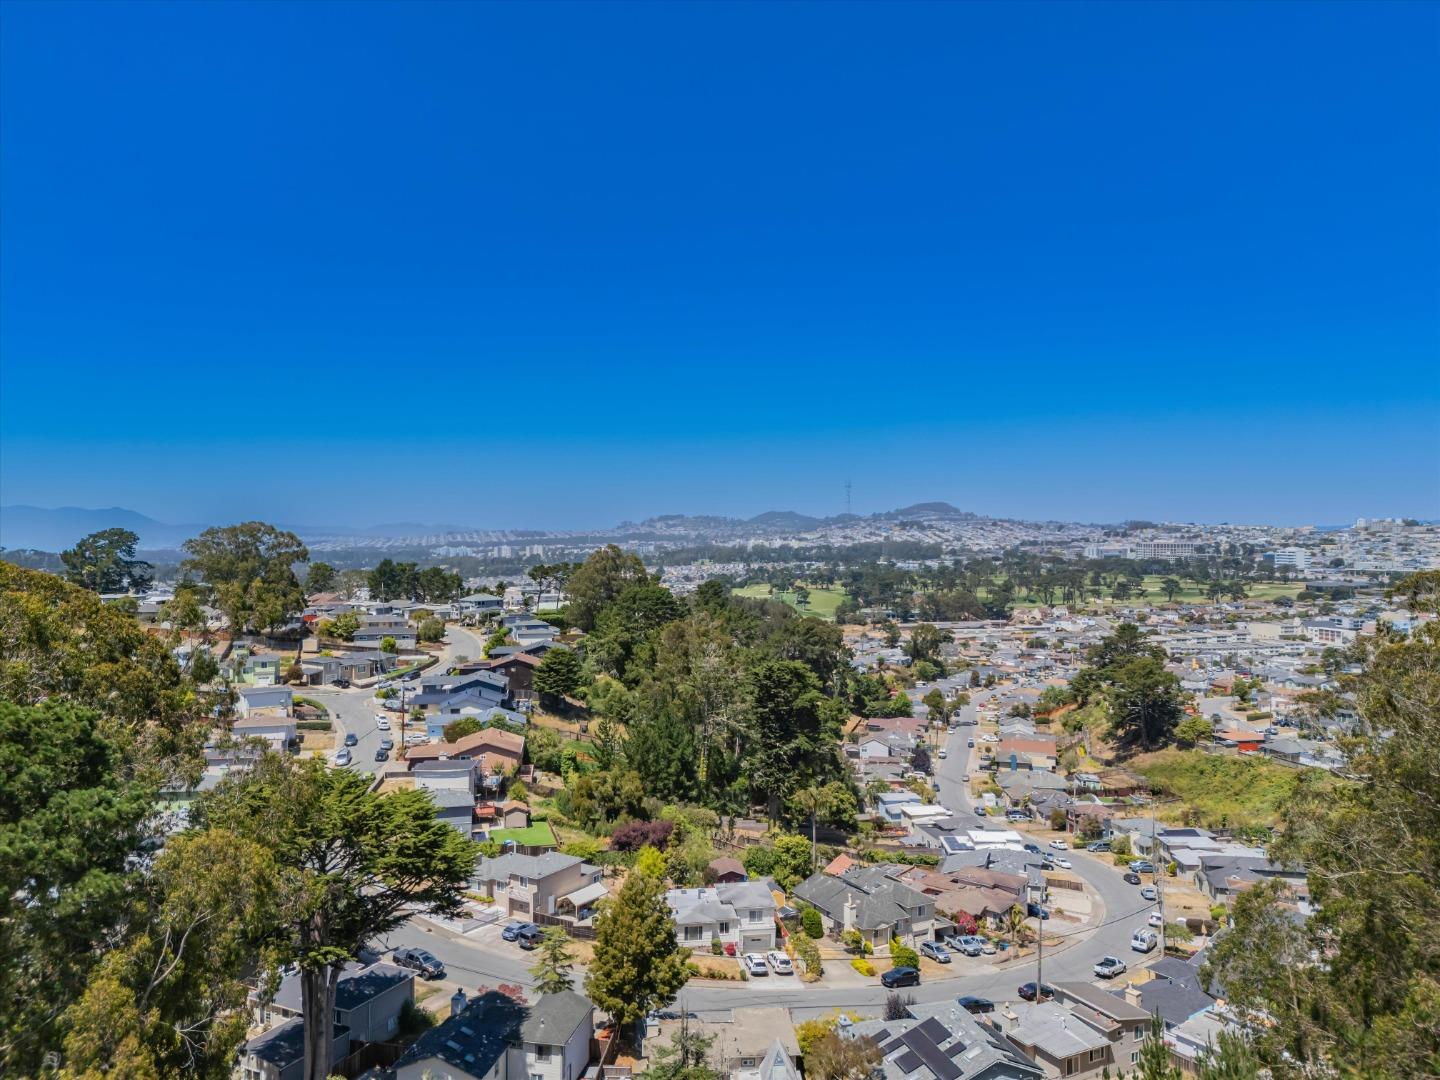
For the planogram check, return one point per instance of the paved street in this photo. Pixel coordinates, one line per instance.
(355, 710)
(481, 957)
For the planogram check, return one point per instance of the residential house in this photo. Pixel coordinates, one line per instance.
(480, 603)
(1223, 877)
(1062, 1043)
(368, 1001)
(872, 900)
(740, 913)
(1174, 993)
(371, 637)
(495, 752)
(447, 694)
(726, 871)
(494, 1037)
(564, 886)
(759, 1042)
(518, 669)
(279, 732)
(279, 1054)
(1123, 1023)
(265, 701)
(941, 1041)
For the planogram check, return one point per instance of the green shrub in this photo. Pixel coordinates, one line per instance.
(864, 967)
(809, 953)
(716, 948)
(901, 955)
(312, 725)
(414, 1020)
(810, 921)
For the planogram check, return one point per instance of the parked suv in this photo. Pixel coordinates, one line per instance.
(970, 944)
(935, 951)
(901, 976)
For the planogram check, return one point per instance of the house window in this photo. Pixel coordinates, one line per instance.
(747, 1063)
(1134, 1057)
(1140, 1034)
(536, 1076)
(724, 928)
(1096, 1055)
(694, 933)
(1071, 1066)
(757, 915)
(542, 1053)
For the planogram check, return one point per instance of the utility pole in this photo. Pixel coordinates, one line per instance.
(1158, 875)
(1039, 952)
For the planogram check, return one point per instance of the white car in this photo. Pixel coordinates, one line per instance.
(1064, 864)
(1059, 845)
(416, 738)
(944, 753)
(780, 963)
(383, 723)
(754, 964)
(1156, 919)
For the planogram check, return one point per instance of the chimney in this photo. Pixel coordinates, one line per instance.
(1132, 995)
(457, 1003)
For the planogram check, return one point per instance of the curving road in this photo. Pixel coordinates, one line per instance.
(354, 710)
(472, 962)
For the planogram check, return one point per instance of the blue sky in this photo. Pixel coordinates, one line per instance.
(562, 265)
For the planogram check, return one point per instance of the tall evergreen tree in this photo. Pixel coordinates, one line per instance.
(638, 966)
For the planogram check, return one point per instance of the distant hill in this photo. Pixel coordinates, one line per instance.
(58, 528)
(785, 519)
(930, 510)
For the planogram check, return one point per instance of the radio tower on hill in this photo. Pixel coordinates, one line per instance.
(847, 496)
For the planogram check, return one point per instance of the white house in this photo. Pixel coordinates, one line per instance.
(271, 700)
(740, 913)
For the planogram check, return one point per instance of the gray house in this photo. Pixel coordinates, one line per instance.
(496, 1038)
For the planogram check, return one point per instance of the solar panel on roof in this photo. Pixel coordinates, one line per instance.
(909, 1061)
(933, 1030)
(926, 1050)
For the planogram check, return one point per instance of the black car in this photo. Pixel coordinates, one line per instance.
(1132, 878)
(352, 739)
(1027, 991)
(1034, 849)
(341, 684)
(1036, 911)
(901, 976)
(382, 754)
(420, 961)
(977, 1005)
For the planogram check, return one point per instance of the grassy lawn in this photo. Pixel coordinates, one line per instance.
(1221, 788)
(823, 602)
(530, 836)
(1150, 591)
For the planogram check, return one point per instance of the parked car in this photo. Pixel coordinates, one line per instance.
(341, 684)
(1132, 878)
(351, 739)
(1143, 940)
(969, 743)
(1109, 967)
(935, 951)
(1149, 893)
(1059, 845)
(1028, 990)
(779, 963)
(754, 965)
(342, 758)
(977, 1005)
(529, 936)
(1035, 910)
(965, 778)
(387, 743)
(382, 754)
(511, 931)
(1099, 845)
(944, 754)
(1063, 863)
(1143, 866)
(1034, 849)
(980, 810)
(420, 961)
(416, 738)
(901, 976)
(411, 676)
(1156, 919)
(970, 944)
(383, 723)
(988, 948)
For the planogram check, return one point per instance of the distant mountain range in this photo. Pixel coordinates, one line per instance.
(55, 529)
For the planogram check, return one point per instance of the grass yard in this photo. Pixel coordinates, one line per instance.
(531, 836)
(1151, 592)
(823, 602)
(1223, 789)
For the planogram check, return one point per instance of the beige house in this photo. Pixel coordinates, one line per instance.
(563, 886)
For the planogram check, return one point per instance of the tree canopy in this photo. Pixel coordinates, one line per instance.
(250, 571)
(104, 562)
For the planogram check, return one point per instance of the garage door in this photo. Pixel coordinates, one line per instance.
(755, 942)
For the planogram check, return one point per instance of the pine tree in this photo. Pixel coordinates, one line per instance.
(1155, 1063)
(638, 966)
(552, 966)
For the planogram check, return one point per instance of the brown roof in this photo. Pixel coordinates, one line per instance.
(726, 865)
(839, 865)
(489, 739)
(1027, 746)
(523, 657)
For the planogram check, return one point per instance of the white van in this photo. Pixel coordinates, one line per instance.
(1143, 940)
